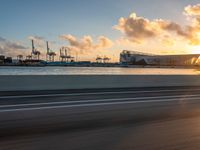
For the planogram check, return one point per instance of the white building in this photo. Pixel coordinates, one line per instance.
(137, 58)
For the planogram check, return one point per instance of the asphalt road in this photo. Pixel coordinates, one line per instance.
(102, 119)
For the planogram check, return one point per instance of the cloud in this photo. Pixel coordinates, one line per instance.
(2, 39)
(36, 38)
(139, 29)
(14, 45)
(39, 41)
(86, 43)
(168, 41)
(10, 48)
(103, 42)
(193, 10)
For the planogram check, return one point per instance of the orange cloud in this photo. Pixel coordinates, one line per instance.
(86, 43)
(140, 29)
(168, 41)
(193, 10)
(194, 13)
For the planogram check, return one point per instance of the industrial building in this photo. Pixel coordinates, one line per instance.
(136, 58)
(5, 60)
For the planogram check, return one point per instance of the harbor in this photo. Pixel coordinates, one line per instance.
(127, 58)
(100, 75)
(64, 59)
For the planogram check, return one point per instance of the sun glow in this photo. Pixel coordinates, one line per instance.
(195, 49)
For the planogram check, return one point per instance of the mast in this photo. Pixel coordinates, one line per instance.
(33, 47)
(47, 47)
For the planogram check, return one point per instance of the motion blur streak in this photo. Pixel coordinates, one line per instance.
(139, 118)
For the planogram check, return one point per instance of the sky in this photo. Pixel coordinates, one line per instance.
(92, 28)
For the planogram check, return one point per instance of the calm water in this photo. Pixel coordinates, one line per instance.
(94, 70)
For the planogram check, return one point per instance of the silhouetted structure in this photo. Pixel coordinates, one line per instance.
(106, 59)
(50, 54)
(64, 56)
(35, 53)
(8, 60)
(99, 59)
(2, 58)
(20, 57)
(29, 57)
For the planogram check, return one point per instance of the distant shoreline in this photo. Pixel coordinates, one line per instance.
(101, 65)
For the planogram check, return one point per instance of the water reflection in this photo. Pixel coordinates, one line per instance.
(95, 70)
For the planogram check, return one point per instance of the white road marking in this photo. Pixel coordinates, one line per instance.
(96, 93)
(99, 104)
(100, 100)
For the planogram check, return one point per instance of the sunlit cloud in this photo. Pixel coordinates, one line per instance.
(168, 41)
(86, 43)
(10, 48)
(88, 48)
(193, 10)
(139, 29)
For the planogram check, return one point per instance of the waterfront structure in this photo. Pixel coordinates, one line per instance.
(138, 58)
(20, 57)
(106, 59)
(29, 57)
(5, 60)
(2, 58)
(50, 54)
(65, 56)
(99, 59)
(35, 53)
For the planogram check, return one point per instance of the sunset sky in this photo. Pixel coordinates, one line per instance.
(100, 27)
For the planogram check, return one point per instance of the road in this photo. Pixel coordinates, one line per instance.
(102, 119)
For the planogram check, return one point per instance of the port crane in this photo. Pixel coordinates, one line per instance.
(50, 54)
(35, 52)
(65, 57)
(99, 59)
(19, 57)
(29, 57)
(106, 59)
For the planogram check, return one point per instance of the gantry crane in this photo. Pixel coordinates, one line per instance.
(99, 59)
(106, 59)
(35, 53)
(50, 54)
(64, 56)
